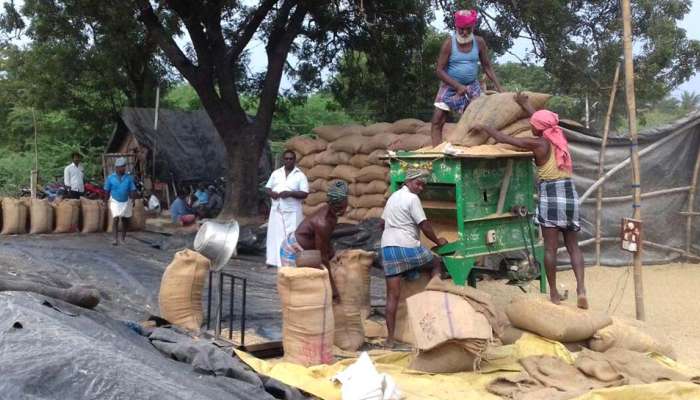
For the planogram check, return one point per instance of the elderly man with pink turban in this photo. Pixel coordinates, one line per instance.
(558, 208)
(458, 65)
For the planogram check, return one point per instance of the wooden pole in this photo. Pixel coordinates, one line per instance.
(644, 195)
(691, 201)
(632, 114)
(601, 164)
(155, 128)
(33, 180)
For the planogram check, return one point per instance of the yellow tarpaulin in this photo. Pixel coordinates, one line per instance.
(466, 385)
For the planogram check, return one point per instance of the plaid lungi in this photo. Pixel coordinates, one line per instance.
(404, 260)
(558, 206)
(447, 98)
(289, 250)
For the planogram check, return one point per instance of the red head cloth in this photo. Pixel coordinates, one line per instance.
(465, 18)
(548, 122)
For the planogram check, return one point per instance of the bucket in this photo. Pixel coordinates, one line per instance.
(217, 241)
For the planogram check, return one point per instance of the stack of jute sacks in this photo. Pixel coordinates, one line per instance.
(37, 216)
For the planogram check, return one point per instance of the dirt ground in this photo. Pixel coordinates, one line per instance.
(670, 299)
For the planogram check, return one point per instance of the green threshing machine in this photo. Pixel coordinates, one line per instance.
(490, 199)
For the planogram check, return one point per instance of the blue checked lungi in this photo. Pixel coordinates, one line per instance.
(404, 260)
(558, 206)
(289, 250)
(447, 98)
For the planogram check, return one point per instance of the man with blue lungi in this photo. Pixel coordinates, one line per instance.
(403, 256)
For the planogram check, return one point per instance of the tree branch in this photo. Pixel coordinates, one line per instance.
(194, 22)
(247, 30)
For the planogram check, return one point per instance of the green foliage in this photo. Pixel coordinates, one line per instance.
(181, 97)
(299, 117)
(689, 101)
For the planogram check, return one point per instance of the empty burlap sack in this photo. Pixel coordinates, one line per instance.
(180, 296)
(563, 323)
(318, 185)
(137, 222)
(378, 142)
(305, 145)
(373, 173)
(374, 212)
(41, 216)
(350, 270)
(511, 335)
(630, 335)
(67, 216)
(349, 143)
(308, 210)
(408, 125)
(348, 173)
(356, 214)
(402, 327)
(359, 161)
(315, 198)
(408, 142)
(320, 172)
(450, 357)
(370, 201)
(307, 162)
(375, 157)
(332, 157)
(375, 129)
(14, 216)
(307, 315)
(374, 187)
(331, 133)
(90, 211)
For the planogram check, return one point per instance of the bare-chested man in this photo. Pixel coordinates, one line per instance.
(315, 231)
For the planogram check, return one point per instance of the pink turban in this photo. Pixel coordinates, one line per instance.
(464, 18)
(548, 122)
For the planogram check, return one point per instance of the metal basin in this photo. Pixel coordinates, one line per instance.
(217, 241)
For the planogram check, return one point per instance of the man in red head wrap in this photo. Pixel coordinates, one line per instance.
(458, 69)
(558, 208)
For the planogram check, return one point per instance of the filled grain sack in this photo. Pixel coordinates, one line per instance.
(315, 198)
(14, 216)
(450, 357)
(374, 187)
(318, 185)
(630, 335)
(563, 323)
(370, 201)
(307, 162)
(307, 315)
(137, 222)
(407, 125)
(349, 144)
(353, 201)
(41, 216)
(331, 133)
(359, 161)
(90, 211)
(350, 269)
(402, 327)
(356, 214)
(378, 142)
(354, 189)
(348, 173)
(320, 172)
(332, 157)
(305, 145)
(376, 157)
(373, 173)
(375, 212)
(408, 142)
(180, 296)
(375, 129)
(67, 216)
(308, 210)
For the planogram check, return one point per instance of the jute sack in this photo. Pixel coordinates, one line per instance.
(331, 133)
(308, 210)
(402, 327)
(307, 315)
(375, 129)
(374, 212)
(41, 216)
(137, 222)
(353, 201)
(14, 216)
(91, 210)
(359, 161)
(356, 214)
(103, 215)
(349, 143)
(407, 125)
(409, 142)
(308, 161)
(355, 189)
(180, 296)
(506, 146)
(375, 187)
(67, 216)
(348, 173)
(350, 270)
(563, 323)
(370, 201)
(318, 185)
(425, 129)
(315, 199)
(332, 157)
(305, 145)
(449, 357)
(378, 142)
(373, 173)
(629, 335)
(375, 157)
(320, 172)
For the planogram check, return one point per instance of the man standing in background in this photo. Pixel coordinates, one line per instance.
(121, 189)
(73, 178)
(287, 187)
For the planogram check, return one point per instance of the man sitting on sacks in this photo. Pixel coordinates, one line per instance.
(458, 69)
(315, 231)
(402, 253)
(558, 208)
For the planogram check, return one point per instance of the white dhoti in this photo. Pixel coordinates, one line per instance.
(279, 226)
(120, 209)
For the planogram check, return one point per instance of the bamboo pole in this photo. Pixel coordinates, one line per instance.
(691, 201)
(601, 163)
(682, 189)
(34, 178)
(632, 114)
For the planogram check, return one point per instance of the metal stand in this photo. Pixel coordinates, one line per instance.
(223, 277)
